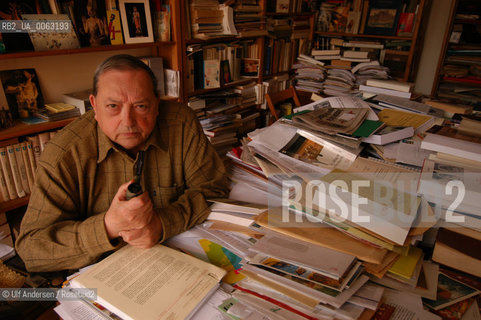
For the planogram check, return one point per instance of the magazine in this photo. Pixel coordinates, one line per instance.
(333, 120)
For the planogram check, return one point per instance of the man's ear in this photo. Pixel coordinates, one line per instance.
(93, 104)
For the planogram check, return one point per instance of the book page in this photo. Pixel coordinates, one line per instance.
(155, 283)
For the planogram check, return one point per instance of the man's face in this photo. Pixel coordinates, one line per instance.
(126, 107)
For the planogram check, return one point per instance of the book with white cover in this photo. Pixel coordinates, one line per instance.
(402, 103)
(460, 148)
(80, 99)
(156, 64)
(241, 219)
(331, 52)
(155, 283)
(390, 84)
(390, 92)
(355, 54)
(389, 134)
(230, 205)
(330, 261)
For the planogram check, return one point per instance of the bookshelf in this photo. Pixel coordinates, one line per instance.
(275, 53)
(457, 75)
(403, 59)
(68, 70)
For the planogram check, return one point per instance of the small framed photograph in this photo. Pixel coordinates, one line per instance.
(136, 21)
(250, 67)
(22, 91)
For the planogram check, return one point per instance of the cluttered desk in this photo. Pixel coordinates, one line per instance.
(320, 224)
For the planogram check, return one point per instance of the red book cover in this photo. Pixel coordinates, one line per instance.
(406, 23)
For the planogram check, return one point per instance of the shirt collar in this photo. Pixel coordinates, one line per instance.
(105, 144)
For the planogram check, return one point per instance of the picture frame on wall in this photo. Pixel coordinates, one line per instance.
(382, 17)
(136, 21)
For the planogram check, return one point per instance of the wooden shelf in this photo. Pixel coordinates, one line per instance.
(397, 52)
(289, 15)
(211, 40)
(268, 76)
(467, 21)
(29, 54)
(355, 35)
(22, 129)
(14, 204)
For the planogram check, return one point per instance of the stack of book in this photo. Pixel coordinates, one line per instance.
(248, 19)
(57, 111)
(279, 27)
(221, 130)
(369, 70)
(209, 19)
(309, 75)
(387, 87)
(338, 82)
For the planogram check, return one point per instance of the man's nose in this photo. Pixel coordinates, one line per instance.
(128, 117)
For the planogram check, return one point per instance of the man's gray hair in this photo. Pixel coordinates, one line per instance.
(123, 62)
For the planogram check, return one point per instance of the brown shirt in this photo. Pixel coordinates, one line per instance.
(81, 170)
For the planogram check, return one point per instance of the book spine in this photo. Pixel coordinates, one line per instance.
(7, 174)
(22, 170)
(34, 143)
(15, 172)
(3, 187)
(28, 167)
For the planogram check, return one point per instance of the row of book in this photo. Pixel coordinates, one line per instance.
(89, 23)
(227, 114)
(18, 164)
(339, 79)
(215, 65)
(208, 19)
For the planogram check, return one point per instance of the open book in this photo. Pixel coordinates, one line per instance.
(155, 283)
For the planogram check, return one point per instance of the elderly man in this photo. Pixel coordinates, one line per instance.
(78, 209)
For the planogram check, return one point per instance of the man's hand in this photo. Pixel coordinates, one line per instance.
(145, 237)
(134, 220)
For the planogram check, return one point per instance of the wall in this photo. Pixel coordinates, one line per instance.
(433, 41)
(59, 74)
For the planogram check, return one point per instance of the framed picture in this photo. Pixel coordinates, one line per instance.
(250, 67)
(382, 17)
(136, 21)
(22, 91)
(91, 22)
